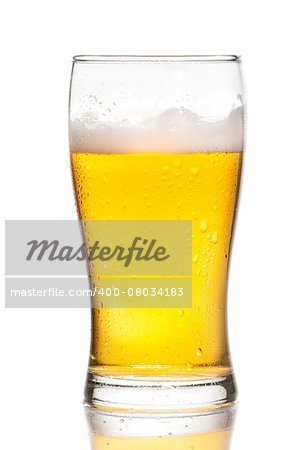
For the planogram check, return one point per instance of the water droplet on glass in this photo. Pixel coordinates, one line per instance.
(199, 352)
(194, 170)
(214, 237)
(177, 162)
(203, 226)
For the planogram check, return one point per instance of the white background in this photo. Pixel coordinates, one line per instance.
(44, 352)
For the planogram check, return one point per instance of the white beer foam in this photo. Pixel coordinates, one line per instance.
(176, 130)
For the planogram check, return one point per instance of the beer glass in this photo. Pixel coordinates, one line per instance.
(156, 148)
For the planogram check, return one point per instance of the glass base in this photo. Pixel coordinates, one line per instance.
(150, 394)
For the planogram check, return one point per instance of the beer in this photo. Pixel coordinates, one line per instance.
(201, 187)
(215, 440)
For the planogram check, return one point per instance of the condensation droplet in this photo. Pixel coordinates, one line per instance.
(181, 313)
(214, 237)
(203, 226)
(198, 272)
(177, 162)
(196, 257)
(199, 351)
(194, 170)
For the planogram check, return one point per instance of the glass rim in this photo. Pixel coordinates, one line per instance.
(156, 58)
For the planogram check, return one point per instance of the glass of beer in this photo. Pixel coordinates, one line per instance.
(156, 148)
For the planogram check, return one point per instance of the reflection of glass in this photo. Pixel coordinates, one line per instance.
(199, 431)
(161, 139)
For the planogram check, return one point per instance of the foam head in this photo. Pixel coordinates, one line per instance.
(175, 130)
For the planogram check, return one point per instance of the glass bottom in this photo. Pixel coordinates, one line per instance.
(161, 394)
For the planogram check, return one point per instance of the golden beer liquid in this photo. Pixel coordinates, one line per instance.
(201, 187)
(216, 440)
